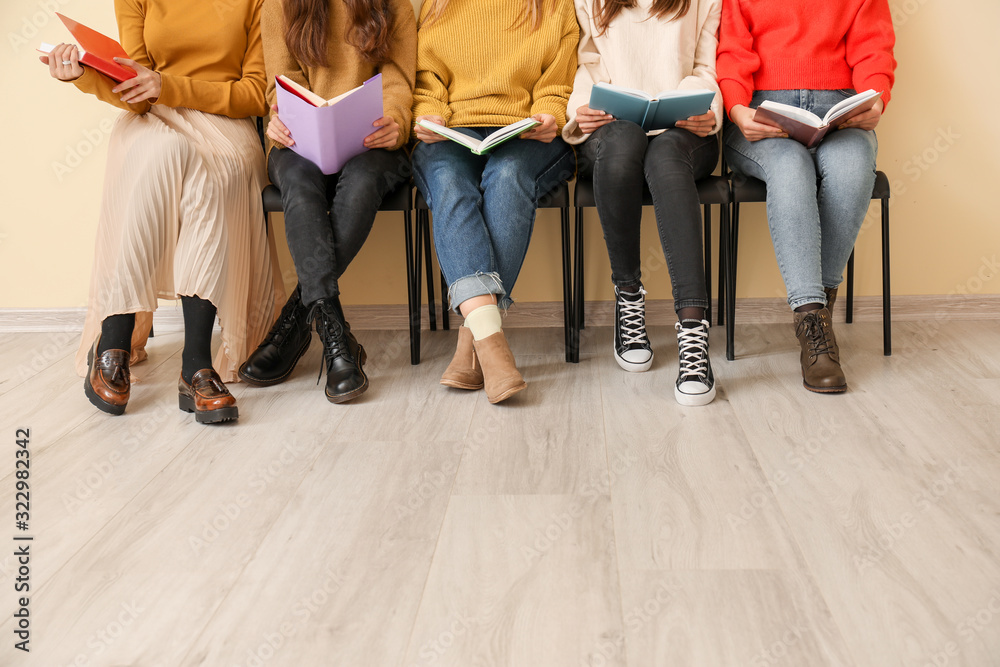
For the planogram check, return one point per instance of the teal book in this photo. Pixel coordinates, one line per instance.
(648, 111)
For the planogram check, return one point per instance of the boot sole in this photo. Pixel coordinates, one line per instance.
(507, 394)
(354, 393)
(92, 396)
(825, 390)
(462, 385)
(186, 403)
(254, 382)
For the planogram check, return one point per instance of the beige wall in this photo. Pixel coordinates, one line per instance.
(937, 144)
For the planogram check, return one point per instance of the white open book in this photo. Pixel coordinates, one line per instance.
(473, 144)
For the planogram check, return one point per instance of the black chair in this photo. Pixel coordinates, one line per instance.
(751, 190)
(712, 191)
(556, 198)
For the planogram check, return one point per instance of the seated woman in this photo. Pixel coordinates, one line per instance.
(328, 218)
(810, 55)
(481, 65)
(181, 214)
(619, 42)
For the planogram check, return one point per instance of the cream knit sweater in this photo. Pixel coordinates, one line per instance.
(648, 54)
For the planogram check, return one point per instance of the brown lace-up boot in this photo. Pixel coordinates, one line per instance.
(820, 356)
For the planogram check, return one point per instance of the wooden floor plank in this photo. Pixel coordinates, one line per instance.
(339, 578)
(539, 586)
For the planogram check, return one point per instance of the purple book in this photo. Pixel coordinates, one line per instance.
(329, 132)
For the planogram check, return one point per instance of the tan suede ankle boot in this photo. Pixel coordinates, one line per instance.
(500, 375)
(464, 371)
(820, 356)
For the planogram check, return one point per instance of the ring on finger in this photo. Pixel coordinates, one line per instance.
(67, 62)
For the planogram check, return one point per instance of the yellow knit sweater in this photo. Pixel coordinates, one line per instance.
(345, 68)
(208, 55)
(477, 67)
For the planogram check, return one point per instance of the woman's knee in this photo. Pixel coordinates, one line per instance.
(620, 138)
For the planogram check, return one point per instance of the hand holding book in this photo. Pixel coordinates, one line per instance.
(545, 131)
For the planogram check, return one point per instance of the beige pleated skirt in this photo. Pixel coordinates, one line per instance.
(181, 216)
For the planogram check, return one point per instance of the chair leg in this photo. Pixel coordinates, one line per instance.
(850, 289)
(445, 306)
(732, 252)
(412, 288)
(577, 292)
(425, 235)
(886, 291)
(723, 261)
(708, 261)
(568, 315)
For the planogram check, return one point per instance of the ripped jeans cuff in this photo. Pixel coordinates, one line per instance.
(478, 284)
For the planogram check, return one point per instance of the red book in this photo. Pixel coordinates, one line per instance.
(96, 50)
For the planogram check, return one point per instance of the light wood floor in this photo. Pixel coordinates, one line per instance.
(590, 521)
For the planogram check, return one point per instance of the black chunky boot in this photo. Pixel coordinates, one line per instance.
(274, 359)
(343, 356)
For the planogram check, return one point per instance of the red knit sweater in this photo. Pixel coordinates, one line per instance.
(804, 44)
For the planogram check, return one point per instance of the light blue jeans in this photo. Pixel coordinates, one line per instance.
(484, 207)
(816, 199)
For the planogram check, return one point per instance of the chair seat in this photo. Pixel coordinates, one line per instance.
(751, 190)
(272, 199)
(711, 190)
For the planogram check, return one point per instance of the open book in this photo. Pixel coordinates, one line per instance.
(650, 112)
(329, 132)
(475, 145)
(808, 128)
(97, 51)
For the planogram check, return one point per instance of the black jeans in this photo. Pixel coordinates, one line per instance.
(619, 157)
(328, 218)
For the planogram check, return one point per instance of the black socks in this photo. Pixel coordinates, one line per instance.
(116, 333)
(690, 314)
(199, 318)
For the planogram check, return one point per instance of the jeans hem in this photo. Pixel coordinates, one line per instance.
(477, 284)
(690, 303)
(802, 301)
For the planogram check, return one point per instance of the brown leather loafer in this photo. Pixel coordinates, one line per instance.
(108, 384)
(207, 397)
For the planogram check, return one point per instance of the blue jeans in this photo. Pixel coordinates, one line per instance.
(816, 199)
(484, 207)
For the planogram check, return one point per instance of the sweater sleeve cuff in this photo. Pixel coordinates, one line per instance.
(404, 129)
(169, 94)
(431, 109)
(556, 110)
(734, 94)
(878, 82)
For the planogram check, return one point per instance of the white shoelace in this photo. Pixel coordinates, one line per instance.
(693, 350)
(632, 319)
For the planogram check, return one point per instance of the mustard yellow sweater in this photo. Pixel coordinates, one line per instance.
(477, 67)
(345, 68)
(208, 55)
